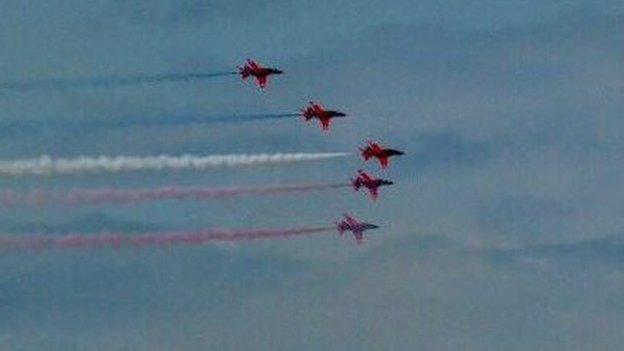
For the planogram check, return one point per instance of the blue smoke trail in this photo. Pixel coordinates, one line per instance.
(60, 84)
(25, 127)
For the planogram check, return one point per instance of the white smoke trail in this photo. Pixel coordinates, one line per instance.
(45, 165)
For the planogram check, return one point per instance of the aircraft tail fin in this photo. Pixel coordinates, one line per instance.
(340, 227)
(244, 72)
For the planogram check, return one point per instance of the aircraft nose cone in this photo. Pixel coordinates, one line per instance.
(277, 71)
(341, 114)
(389, 182)
(374, 226)
(398, 152)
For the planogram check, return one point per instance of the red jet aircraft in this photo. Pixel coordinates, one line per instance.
(253, 68)
(371, 183)
(373, 149)
(316, 110)
(356, 227)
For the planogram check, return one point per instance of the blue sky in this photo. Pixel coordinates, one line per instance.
(502, 232)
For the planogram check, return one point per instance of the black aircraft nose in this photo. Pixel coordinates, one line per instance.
(397, 152)
(277, 71)
(388, 182)
(333, 113)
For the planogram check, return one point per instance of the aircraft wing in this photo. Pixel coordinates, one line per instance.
(325, 122)
(374, 193)
(374, 147)
(365, 176)
(318, 108)
(383, 161)
(308, 113)
(262, 81)
(253, 64)
(358, 235)
(350, 220)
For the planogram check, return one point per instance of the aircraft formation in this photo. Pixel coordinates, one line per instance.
(372, 149)
(364, 181)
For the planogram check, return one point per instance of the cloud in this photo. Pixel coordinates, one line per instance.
(601, 250)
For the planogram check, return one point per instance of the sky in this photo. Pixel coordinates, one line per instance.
(503, 229)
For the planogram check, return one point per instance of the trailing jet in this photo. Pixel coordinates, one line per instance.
(373, 149)
(354, 226)
(368, 181)
(316, 110)
(253, 68)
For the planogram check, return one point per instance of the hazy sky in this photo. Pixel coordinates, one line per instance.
(503, 231)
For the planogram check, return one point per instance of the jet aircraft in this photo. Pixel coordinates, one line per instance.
(354, 226)
(316, 110)
(373, 149)
(254, 69)
(369, 182)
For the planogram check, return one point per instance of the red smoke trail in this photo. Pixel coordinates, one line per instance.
(116, 240)
(100, 196)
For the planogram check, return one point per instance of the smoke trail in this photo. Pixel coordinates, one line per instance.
(117, 240)
(219, 119)
(101, 196)
(106, 82)
(13, 127)
(48, 166)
